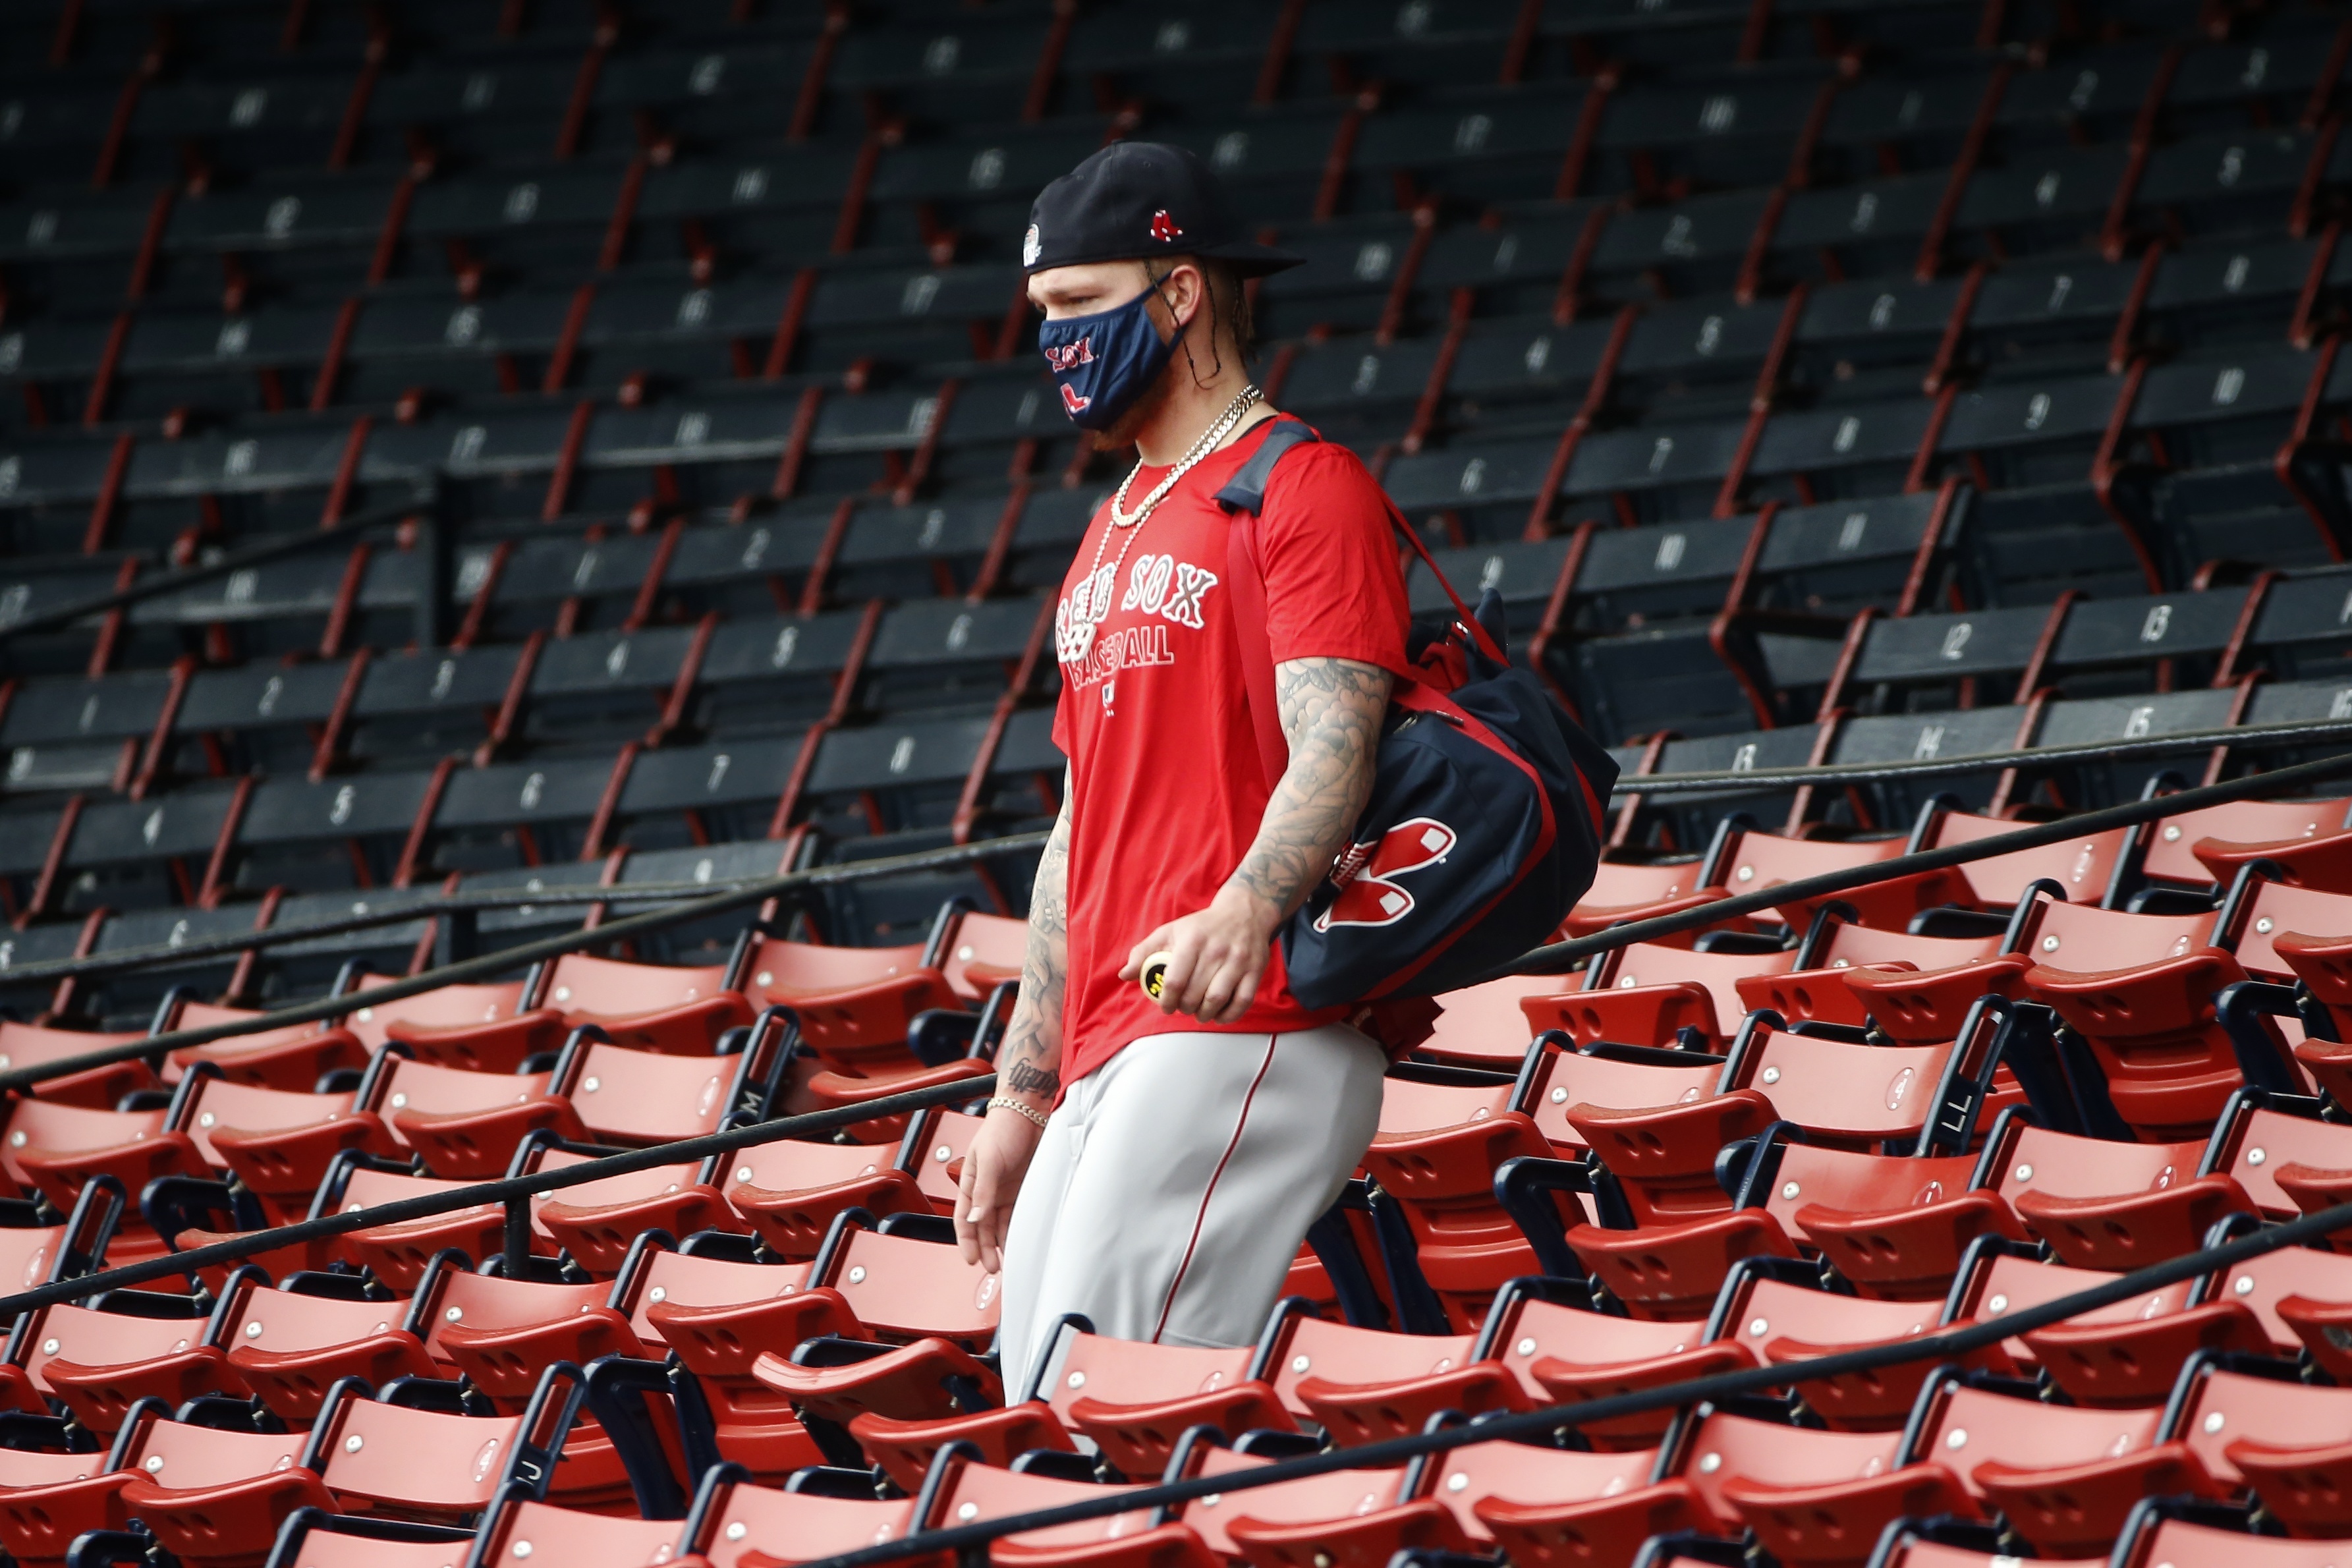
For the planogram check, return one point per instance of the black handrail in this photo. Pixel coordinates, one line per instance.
(425, 503)
(425, 908)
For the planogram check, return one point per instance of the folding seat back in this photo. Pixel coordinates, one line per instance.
(110, 1360)
(733, 1518)
(2225, 1407)
(981, 951)
(626, 1095)
(854, 1004)
(933, 1148)
(2186, 1544)
(1666, 990)
(1223, 1520)
(1133, 1399)
(966, 1493)
(1482, 1026)
(439, 1104)
(1720, 1448)
(903, 1287)
(377, 1457)
(1316, 1361)
(1813, 989)
(789, 1190)
(1476, 1473)
(2006, 1449)
(1744, 861)
(445, 1006)
(32, 1045)
(291, 1057)
(2086, 868)
(2084, 938)
(1603, 1076)
(663, 1274)
(524, 1529)
(1995, 1283)
(1623, 891)
(34, 1254)
(645, 1006)
(400, 1253)
(2264, 910)
(57, 1147)
(289, 1347)
(1855, 1094)
(2172, 843)
(2299, 1294)
(597, 1222)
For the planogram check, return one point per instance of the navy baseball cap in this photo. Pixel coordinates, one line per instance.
(1133, 200)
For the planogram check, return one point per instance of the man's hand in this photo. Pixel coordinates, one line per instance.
(1219, 956)
(994, 1164)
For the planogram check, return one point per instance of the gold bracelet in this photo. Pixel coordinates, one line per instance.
(1023, 1107)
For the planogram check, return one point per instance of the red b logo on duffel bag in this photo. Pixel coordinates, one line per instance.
(1368, 895)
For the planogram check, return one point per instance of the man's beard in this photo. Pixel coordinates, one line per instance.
(1121, 431)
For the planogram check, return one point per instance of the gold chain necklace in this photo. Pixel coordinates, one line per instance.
(1091, 600)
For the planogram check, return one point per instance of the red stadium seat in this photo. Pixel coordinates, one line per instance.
(48, 1500)
(1621, 892)
(603, 1093)
(1436, 1150)
(719, 1315)
(736, 1524)
(980, 953)
(1842, 1095)
(375, 1457)
(100, 1089)
(291, 1057)
(640, 1006)
(1647, 995)
(2171, 852)
(1721, 1473)
(1744, 861)
(445, 1006)
(854, 1004)
(2086, 868)
(914, 1315)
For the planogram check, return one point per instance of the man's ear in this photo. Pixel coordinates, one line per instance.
(1183, 296)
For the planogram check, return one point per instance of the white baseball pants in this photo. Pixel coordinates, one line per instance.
(1173, 1185)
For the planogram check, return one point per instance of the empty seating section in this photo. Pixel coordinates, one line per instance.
(1813, 382)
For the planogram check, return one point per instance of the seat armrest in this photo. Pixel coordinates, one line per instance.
(1524, 1188)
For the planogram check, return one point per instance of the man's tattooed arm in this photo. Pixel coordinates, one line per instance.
(1029, 1064)
(1330, 710)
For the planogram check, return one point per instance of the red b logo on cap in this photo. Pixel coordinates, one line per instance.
(1164, 228)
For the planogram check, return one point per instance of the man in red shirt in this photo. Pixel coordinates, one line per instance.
(1155, 1165)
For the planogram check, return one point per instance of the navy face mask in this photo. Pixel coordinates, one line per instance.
(1106, 361)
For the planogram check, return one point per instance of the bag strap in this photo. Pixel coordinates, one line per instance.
(1244, 496)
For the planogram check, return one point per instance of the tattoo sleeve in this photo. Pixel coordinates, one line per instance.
(1030, 1061)
(1330, 710)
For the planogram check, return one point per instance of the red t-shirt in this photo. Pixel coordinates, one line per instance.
(1168, 788)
